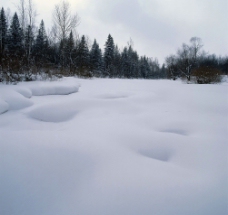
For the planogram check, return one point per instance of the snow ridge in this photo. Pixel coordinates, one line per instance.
(18, 97)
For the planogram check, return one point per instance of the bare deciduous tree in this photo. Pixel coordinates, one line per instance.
(186, 59)
(22, 14)
(64, 21)
(196, 45)
(32, 13)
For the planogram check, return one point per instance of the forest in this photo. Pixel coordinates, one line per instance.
(29, 52)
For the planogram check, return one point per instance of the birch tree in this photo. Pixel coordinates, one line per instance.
(64, 20)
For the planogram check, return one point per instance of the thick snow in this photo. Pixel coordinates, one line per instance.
(114, 147)
(52, 113)
(3, 106)
(18, 97)
(46, 88)
(14, 99)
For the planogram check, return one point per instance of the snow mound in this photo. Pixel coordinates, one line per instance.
(53, 89)
(27, 93)
(15, 100)
(4, 107)
(52, 113)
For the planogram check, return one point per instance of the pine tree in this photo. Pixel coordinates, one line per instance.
(125, 66)
(117, 62)
(144, 67)
(130, 62)
(3, 32)
(134, 64)
(109, 55)
(29, 39)
(96, 59)
(28, 44)
(70, 43)
(15, 42)
(41, 38)
(41, 45)
(70, 53)
(16, 51)
(83, 58)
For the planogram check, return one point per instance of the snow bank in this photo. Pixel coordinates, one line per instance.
(53, 89)
(14, 99)
(27, 93)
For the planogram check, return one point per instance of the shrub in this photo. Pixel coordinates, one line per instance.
(207, 75)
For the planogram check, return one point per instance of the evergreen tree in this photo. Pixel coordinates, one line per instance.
(41, 45)
(96, 59)
(155, 71)
(15, 58)
(131, 62)
(28, 43)
(70, 43)
(3, 32)
(125, 63)
(117, 62)
(15, 42)
(70, 53)
(29, 39)
(109, 55)
(144, 67)
(163, 71)
(83, 58)
(135, 64)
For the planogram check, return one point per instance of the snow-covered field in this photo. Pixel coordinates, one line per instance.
(113, 147)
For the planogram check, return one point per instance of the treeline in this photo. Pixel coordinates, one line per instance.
(194, 64)
(26, 53)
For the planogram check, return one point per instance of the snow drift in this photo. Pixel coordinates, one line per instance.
(18, 97)
(116, 147)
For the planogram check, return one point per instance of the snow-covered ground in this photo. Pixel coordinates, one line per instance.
(108, 147)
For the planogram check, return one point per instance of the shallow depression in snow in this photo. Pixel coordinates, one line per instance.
(175, 131)
(4, 107)
(160, 154)
(114, 96)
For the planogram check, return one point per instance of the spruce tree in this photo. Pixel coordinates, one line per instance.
(117, 62)
(109, 55)
(96, 59)
(125, 63)
(83, 58)
(15, 42)
(70, 53)
(144, 67)
(29, 39)
(70, 43)
(3, 32)
(28, 43)
(133, 63)
(41, 45)
(16, 55)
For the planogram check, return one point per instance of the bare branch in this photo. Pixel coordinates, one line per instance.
(63, 19)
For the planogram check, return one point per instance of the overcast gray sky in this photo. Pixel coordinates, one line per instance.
(157, 27)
